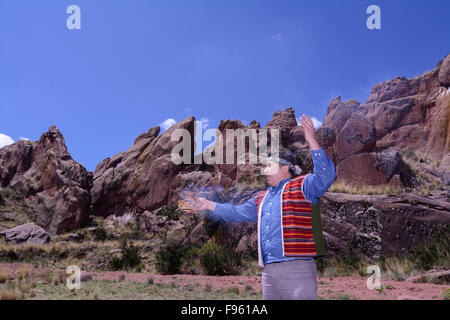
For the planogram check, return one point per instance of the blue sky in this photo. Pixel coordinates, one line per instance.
(135, 64)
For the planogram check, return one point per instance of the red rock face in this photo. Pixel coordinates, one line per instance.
(360, 169)
(404, 114)
(44, 175)
(141, 178)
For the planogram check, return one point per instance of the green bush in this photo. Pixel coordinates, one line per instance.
(172, 212)
(100, 234)
(130, 257)
(217, 259)
(170, 257)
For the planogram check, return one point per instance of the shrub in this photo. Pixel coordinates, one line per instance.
(139, 268)
(217, 259)
(172, 212)
(100, 234)
(130, 256)
(170, 257)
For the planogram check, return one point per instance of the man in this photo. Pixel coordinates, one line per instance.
(288, 218)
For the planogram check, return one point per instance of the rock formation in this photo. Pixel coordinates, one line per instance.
(366, 141)
(45, 177)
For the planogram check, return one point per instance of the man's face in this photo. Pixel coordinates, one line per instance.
(275, 173)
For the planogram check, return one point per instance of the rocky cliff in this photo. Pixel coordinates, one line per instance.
(369, 143)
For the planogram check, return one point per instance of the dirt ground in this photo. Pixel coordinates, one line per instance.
(351, 287)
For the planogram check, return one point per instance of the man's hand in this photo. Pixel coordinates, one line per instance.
(310, 135)
(204, 204)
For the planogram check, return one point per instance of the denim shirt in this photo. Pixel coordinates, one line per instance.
(314, 186)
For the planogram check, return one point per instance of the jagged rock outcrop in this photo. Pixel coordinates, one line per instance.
(140, 178)
(43, 176)
(401, 114)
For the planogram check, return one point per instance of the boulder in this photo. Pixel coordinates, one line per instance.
(357, 135)
(339, 112)
(360, 169)
(28, 233)
(153, 223)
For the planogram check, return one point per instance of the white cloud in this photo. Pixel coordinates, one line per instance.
(276, 36)
(166, 124)
(5, 140)
(316, 122)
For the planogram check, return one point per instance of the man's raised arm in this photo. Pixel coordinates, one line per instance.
(317, 183)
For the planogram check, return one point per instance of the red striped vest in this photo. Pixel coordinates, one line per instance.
(300, 222)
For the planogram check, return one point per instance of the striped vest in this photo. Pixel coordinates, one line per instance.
(300, 222)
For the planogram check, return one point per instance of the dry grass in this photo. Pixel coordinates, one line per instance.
(428, 181)
(351, 188)
(3, 276)
(23, 273)
(8, 295)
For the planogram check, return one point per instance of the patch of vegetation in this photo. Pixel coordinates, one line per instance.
(100, 234)
(434, 251)
(445, 294)
(344, 262)
(129, 258)
(352, 188)
(170, 257)
(211, 226)
(172, 212)
(252, 183)
(217, 259)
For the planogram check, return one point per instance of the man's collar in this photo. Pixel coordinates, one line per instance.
(281, 183)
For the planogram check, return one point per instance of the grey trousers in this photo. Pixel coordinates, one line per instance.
(290, 280)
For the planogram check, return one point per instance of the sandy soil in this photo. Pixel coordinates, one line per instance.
(351, 287)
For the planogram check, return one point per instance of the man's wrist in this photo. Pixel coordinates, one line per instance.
(212, 206)
(314, 145)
